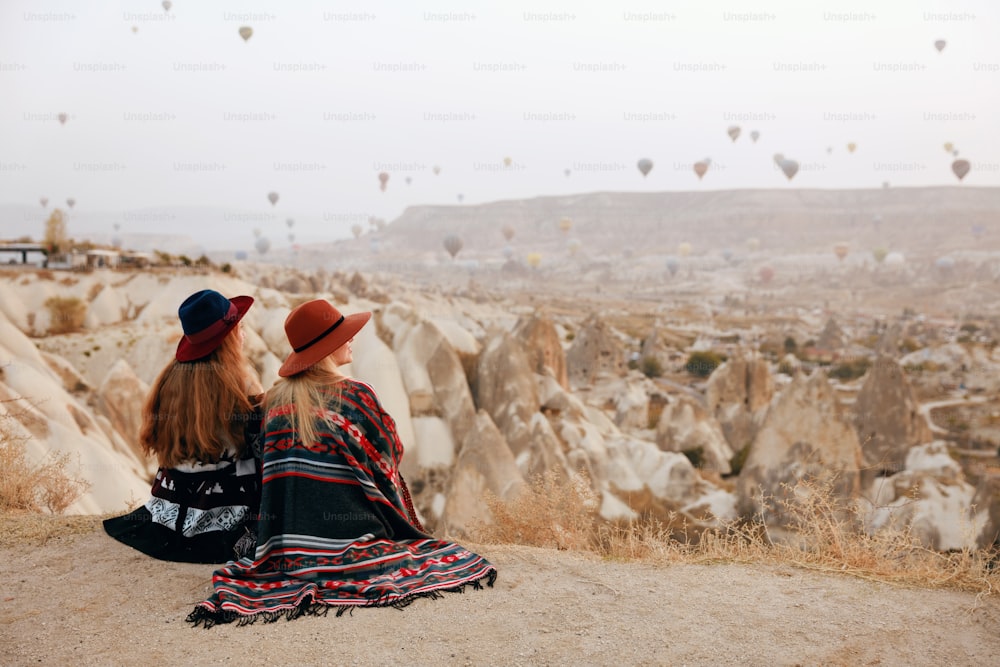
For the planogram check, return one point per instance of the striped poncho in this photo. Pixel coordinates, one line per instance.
(336, 526)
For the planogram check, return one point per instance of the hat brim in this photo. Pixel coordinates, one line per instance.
(188, 351)
(300, 361)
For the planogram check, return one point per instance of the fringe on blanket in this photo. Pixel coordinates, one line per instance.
(202, 616)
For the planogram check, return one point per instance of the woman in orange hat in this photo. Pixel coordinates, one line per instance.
(199, 420)
(337, 527)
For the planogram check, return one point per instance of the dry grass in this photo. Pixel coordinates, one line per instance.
(826, 536)
(31, 528)
(27, 487)
(67, 314)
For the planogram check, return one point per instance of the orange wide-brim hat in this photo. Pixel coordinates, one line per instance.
(315, 330)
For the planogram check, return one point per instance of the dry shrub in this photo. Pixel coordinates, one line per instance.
(554, 511)
(829, 536)
(66, 314)
(45, 486)
(826, 534)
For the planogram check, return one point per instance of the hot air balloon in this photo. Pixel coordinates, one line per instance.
(574, 246)
(960, 168)
(460, 197)
(727, 254)
(507, 162)
(753, 243)
(534, 259)
(879, 254)
(452, 244)
(135, 29)
(778, 157)
(407, 180)
(567, 172)
(754, 136)
(383, 179)
(829, 150)
(167, 5)
(246, 32)
(734, 132)
(44, 201)
(944, 264)
(62, 118)
(565, 224)
(291, 238)
(840, 250)
(673, 264)
(949, 147)
(262, 245)
(272, 197)
(851, 146)
(895, 259)
(356, 229)
(71, 202)
(240, 255)
(700, 168)
(789, 167)
(645, 166)
(765, 273)
(940, 44)
(684, 249)
(116, 226)
(290, 223)
(256, 232)
(508, 232)
(885, 185)
(437, 170)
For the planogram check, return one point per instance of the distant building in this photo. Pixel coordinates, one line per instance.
(10, 251)
(102, 259)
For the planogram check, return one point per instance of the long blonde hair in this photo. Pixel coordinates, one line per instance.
(310, 394)
(196, 410)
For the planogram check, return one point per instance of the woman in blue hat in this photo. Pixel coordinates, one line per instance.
(200, 420)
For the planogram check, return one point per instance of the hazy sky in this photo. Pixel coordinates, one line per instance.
(325, 95)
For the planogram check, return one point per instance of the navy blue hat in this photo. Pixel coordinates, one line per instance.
(206, 318)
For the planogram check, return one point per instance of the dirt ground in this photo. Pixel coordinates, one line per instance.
(84, 599)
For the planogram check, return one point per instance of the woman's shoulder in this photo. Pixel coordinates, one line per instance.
(357, 387)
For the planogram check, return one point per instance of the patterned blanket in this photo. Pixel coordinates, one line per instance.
(336, 526)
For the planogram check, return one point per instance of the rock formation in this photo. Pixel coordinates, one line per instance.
(595, 351)
(931, 500)
(506, 389)
(738, 394)
(887, 418)
(541, 342)
(120, 398)
(806, 436)
(686, 426)
(485, 463)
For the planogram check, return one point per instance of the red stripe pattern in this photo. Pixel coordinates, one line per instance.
(337, 528)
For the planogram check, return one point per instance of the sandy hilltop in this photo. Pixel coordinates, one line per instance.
(87, 600)
(690, 360)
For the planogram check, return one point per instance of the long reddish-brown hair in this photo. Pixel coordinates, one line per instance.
(196, 409)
